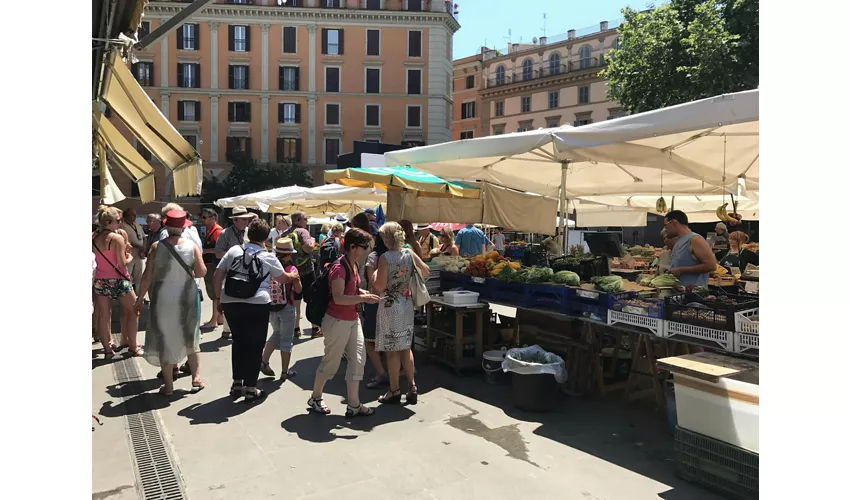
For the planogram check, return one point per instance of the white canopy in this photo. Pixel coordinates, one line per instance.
(681, 149)
(700, 208)
(330, 198)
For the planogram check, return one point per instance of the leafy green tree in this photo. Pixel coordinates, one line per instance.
(684, 51)
(247, 176)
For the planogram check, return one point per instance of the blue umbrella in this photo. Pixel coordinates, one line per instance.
(380, 219)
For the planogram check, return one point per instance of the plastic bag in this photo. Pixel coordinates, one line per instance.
(535, 360)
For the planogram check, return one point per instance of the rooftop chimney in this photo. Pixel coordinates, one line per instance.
(515, 48)
(542, 40)
(603, 26)
(571, 35)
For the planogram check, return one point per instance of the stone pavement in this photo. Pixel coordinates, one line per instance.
(464, 440)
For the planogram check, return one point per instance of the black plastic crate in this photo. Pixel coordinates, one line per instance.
(699, 309)
(717, 465)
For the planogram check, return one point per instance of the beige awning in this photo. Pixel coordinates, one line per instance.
(145, 121)
(123, 155)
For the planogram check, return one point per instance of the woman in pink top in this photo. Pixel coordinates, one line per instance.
(341, 326)
(111, 281)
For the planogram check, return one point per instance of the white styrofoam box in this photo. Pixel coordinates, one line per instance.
(461, 297)
(727, 410)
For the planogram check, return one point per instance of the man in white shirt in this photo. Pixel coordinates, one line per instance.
(136, 239)
(499, 241)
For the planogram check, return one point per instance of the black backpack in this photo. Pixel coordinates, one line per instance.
(329, 252)
(320, 293)
(244, 277)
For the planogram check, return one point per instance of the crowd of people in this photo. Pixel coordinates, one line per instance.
(256, 276)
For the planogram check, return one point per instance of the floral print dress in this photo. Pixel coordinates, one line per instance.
(395, 310)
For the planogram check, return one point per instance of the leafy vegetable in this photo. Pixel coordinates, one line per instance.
(608, 284)
(540, 275)
(566, 278)
(665, 280)
(511, 275)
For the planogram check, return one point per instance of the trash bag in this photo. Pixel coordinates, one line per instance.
(535, 360)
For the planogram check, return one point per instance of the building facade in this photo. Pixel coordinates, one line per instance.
(550, 83)
(466, 109)
(299, 82)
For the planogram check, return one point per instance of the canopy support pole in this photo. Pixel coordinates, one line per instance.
(564, 207)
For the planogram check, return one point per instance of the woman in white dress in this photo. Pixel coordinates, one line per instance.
(175, 308)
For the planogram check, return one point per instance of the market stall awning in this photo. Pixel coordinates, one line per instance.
(681, 149)
(397, 178)
(314, 201)
(123, 155)
(690, 204)
(147, 123)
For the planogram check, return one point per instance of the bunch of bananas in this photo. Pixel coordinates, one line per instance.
(661, 205)
(731, 219)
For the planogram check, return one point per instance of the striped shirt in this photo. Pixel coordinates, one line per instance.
(230, 238)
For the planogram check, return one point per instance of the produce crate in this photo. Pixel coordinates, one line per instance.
(654, 325)
(653, 309)
(449, 281)
(723, 338)
(746, 343)
(588, 310)
(694, 309)
(744, 323)
(595, 297)
(551, 296)
(509, 293)
(717, 465)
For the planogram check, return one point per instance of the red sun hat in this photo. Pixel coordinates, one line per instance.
(177, 218)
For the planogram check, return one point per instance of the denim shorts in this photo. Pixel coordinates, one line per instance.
(370, 321)
(283, 328)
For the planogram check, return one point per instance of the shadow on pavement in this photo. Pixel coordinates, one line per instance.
(215, 345)
(320, 428)
(219, 411)
(140, 404)
(133, 388)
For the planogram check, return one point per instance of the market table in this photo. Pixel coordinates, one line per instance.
(458, 361)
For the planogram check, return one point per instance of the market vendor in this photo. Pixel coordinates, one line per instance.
(691, 258)
(471, 240)
(737, 256)
(663, 260)
(553, 246)
(721, 238)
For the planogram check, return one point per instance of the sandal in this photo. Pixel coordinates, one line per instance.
(378, 381)
(199, 386)
(266, 370)
(317, 332)
(390, 398)
(138, 353)
(297, 333)
(236, 390)
(412, 395)
(185, 368)
(175, 376)
(358, 411)
(289, 374)
(255, 396)
(318, 406)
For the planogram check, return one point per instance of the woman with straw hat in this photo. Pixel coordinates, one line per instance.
(282, 311)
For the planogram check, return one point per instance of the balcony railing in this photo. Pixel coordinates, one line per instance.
(545, 69)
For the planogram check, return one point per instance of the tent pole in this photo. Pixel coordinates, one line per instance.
(564, 223)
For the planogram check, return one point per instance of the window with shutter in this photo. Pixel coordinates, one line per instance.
(331, 4)
(414, 81)
(414, 5)
(467, 134)
(331, 114)
(144, 29)
(525, 104)
(192, 140)
(332, 42)
(290, 40)
(240, 39)
(288, 150)
(583, 95)
(373, 81)
(288, 78)
(373, 115)
(238, 77)
(331, 79)
(373, 42)
(373, 4)
(414, 116)
(143, 71)
(498, 129)
(554, 99)
(467, 110)
(470, 81)
(239, 112)
(287, 113)
(188, 37)
(331, 150)
(414, 44)
(499, 108)
(188, 111)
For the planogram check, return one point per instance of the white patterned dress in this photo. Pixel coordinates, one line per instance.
(395, 310)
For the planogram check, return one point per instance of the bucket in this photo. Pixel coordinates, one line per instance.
(491, 362)
(535, 393)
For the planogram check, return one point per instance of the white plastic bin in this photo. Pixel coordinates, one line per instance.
(727, 410)
(461, 297)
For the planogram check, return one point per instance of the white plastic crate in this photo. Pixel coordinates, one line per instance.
(722, 338)
(745, 343)
(744, 323)
(654, 325)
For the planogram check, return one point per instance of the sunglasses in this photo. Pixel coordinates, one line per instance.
(364, 247)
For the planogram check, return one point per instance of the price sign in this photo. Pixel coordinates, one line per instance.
(641, 311)
(587, 294)
(478, 280)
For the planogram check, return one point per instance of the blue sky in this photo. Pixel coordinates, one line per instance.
(490, 20)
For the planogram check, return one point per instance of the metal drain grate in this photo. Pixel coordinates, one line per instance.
(155, 470)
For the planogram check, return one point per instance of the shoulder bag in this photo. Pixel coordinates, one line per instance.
(418, 290)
